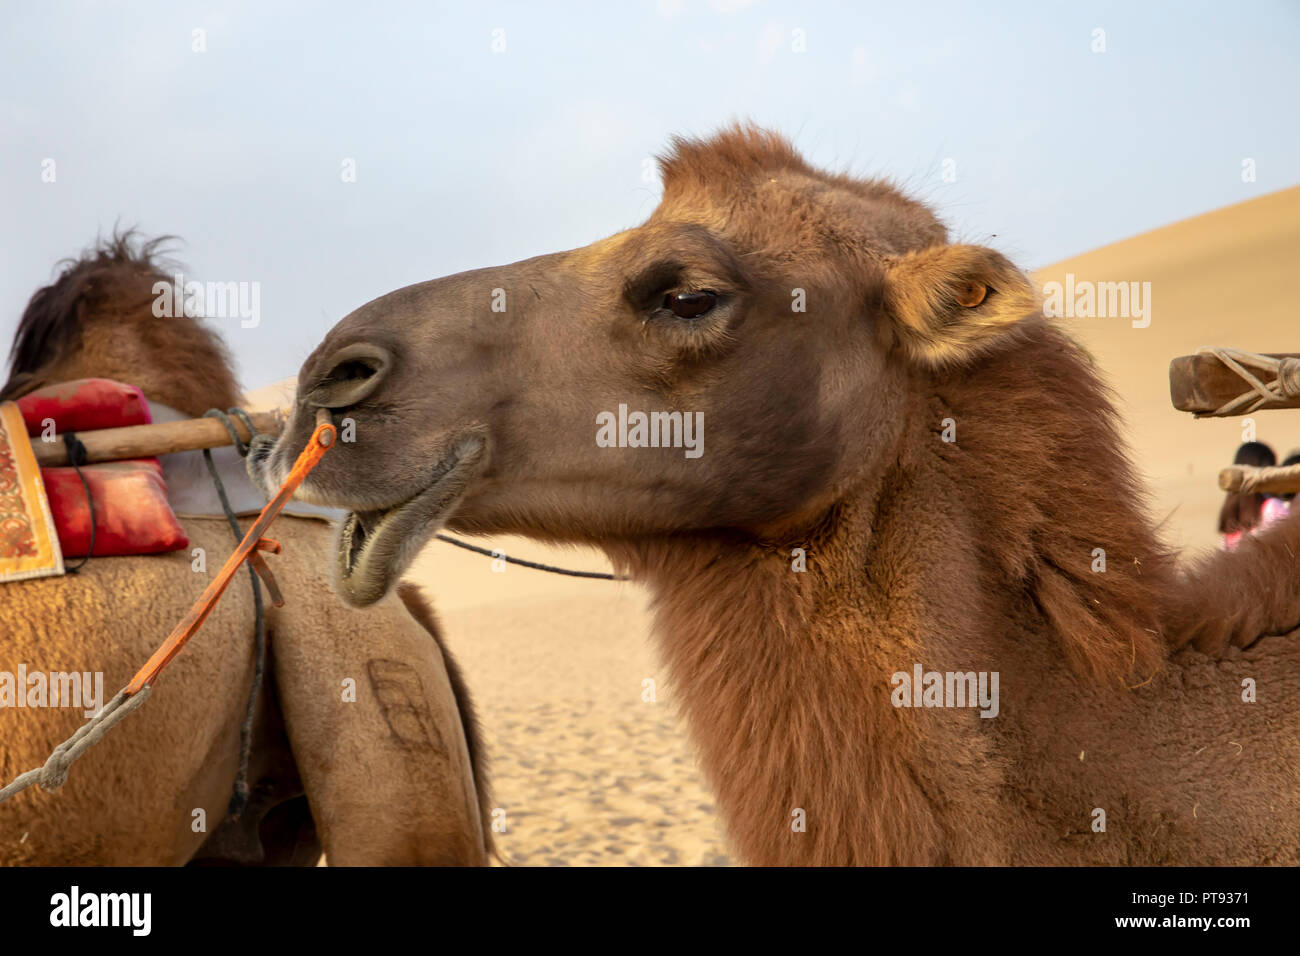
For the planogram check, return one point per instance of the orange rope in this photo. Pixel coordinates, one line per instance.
(322, 440)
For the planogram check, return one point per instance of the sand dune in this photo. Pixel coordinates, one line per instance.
(590, 773)
(1218, 279)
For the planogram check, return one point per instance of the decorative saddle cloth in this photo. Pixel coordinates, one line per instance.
(29, 545)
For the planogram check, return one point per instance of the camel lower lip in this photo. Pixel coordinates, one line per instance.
(375, 547)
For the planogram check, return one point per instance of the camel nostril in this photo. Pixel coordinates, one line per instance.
(351, 371)
(354, 372)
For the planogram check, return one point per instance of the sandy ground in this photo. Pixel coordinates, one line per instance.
(590, 773)
(588, 770)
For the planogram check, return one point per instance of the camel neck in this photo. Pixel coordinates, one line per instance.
(785, 681)
(1024, 534)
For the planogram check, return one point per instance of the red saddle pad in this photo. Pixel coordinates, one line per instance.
(132, 515)
(84, 405)
(131, 512)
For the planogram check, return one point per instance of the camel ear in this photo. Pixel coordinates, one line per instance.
(952, 303)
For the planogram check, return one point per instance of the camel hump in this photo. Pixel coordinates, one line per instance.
(1233, 598)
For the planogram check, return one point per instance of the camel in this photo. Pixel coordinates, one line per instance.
(898, 468)
(396, 777)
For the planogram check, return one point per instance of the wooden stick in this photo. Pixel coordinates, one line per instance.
(147, 441)
(1276, 481)
(1202, 384)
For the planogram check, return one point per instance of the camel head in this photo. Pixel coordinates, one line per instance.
(739, 362)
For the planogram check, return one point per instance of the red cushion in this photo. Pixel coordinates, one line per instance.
(84, 405)
(131, 511)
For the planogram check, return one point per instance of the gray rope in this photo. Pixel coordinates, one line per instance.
(599, 575)
(239, 796)
(77, 458)
(55, 770)
(1284, 386)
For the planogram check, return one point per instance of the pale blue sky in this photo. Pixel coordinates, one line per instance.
(466, 157)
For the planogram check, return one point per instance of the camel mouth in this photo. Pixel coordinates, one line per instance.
(375, 547)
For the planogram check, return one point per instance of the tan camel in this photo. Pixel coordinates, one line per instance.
(896, 463)
(387, 779)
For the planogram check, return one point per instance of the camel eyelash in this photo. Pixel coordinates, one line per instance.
(689, 309)
(645, 291)
(707, 335)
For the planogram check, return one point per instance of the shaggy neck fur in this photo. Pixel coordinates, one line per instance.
(785, 676)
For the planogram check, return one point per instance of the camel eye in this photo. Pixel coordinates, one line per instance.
(690, 305)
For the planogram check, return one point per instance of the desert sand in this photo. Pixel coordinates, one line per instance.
(590, 771)
(589, 760)
(1216, 279)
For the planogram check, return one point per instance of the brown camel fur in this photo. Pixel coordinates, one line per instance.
(389, 779)
(915, 468)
